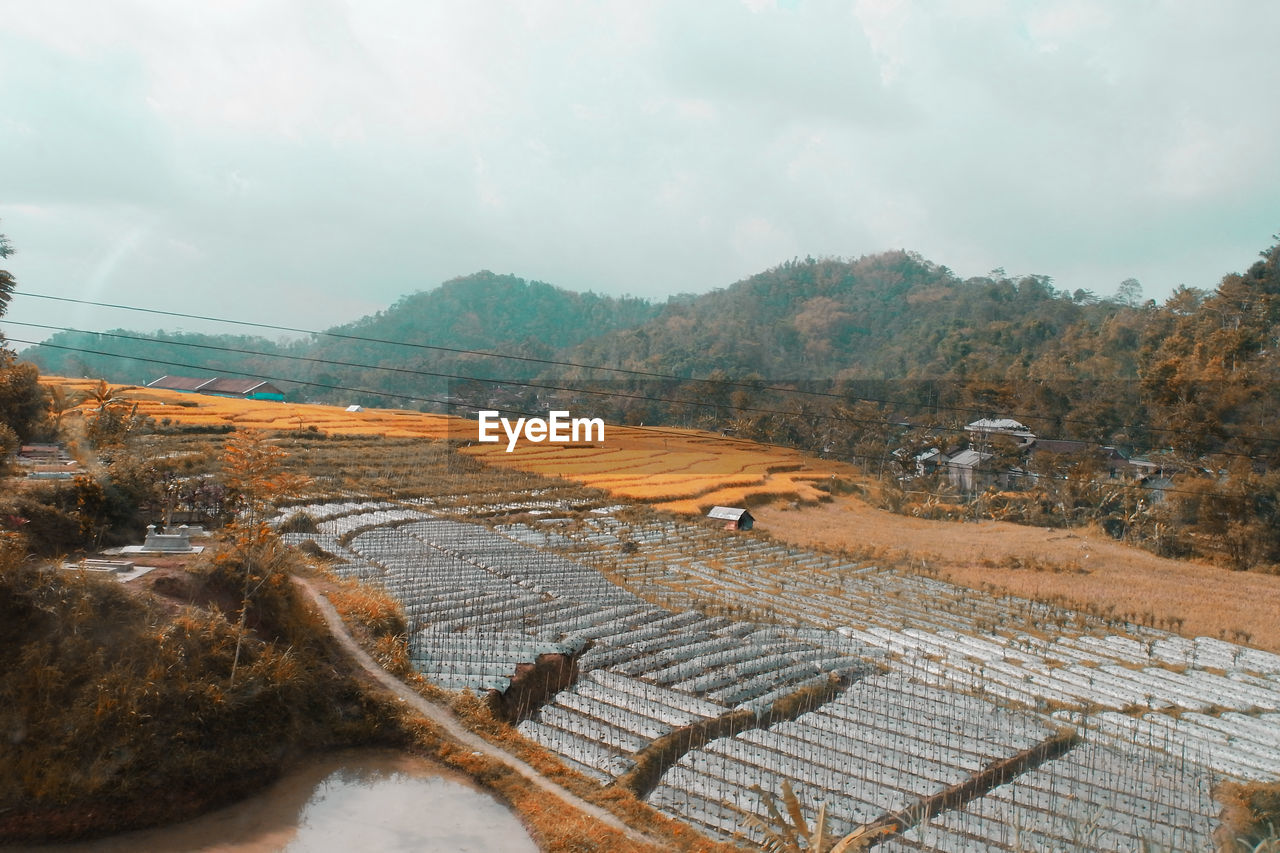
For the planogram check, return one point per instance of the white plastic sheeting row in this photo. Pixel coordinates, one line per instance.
(959, 654)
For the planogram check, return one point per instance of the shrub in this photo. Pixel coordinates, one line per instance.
(299, 522)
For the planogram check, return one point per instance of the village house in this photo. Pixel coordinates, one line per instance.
(983, 430)
(244, 389)
(968, 472)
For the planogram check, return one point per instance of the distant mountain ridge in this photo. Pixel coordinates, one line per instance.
(892, 315)
(483, 312)
(891, 326)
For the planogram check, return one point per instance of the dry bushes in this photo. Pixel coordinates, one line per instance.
(119, 712)
(1250, 818)
(376, 619)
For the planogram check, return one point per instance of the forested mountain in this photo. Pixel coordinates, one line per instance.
(892, 332)
(1198, 374)
(892, 316)
(483, 312)
(894, 327)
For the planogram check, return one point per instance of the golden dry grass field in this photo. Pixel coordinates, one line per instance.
(202, 409)
(673, 469)
(687, 471)
(680, 470)
(1081, 568)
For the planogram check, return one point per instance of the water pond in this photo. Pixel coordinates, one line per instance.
(362, 801)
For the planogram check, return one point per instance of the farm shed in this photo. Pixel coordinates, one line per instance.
(733, 518)
(245, 389)
(963, 469)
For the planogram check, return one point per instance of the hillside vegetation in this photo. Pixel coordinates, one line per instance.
(121, 709)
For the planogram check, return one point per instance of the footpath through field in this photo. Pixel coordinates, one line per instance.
(445, 719)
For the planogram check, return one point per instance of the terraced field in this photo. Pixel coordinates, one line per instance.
(676, 469)
(967, 721)
(964, 720)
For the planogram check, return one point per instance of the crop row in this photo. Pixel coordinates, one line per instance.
(969, 679)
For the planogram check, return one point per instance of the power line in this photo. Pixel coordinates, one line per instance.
(844, 419)
(865, 458)
(344, 336)
(254, 375)
(727, 383)
(434, 374)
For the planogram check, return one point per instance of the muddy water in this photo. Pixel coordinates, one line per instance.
(353, 802)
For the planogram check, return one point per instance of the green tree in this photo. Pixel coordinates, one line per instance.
(22, 399)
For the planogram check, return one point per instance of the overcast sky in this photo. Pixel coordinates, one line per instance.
(305, 162)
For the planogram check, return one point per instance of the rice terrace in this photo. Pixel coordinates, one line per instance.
(742, 682)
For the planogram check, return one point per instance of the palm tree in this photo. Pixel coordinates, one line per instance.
(7, 281)
(60, 402)
(105, 396)
(790, 833)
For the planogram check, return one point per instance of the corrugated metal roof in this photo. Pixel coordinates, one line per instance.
(1061, 445)
(997, 425)
(178, 383)
(218, 385)
(727, 513)
(239, 386)
(968, 459)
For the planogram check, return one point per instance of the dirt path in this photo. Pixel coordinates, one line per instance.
(444, 718)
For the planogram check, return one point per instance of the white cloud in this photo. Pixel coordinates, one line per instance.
(381, 147)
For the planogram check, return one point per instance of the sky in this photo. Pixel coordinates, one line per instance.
(307, 162)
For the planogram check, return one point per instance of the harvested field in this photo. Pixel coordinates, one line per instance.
(1082, 569)
(674, 469)
(208, 410)
(679, 470)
